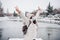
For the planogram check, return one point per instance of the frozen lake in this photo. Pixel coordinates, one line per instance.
(13, 29)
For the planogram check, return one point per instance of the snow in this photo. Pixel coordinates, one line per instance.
(22, 39)
(48, 20)
(15, 33)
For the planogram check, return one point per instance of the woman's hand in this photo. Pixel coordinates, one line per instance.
(39, 8)
(17, 9)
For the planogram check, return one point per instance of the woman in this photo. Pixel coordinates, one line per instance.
(30, 22)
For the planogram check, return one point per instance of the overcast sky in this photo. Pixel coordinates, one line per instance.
(28, 5)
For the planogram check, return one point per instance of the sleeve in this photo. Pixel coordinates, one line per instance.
(22, 16)
(38, 13)
(25, 19)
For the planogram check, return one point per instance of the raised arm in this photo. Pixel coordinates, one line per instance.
(20, 13)
(38, 12)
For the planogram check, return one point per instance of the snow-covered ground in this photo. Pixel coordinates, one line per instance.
(12, 28)
(9, 18)
(39, 19)
(22, 39)
(46, 19)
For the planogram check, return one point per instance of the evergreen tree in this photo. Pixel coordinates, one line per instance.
(50, 9)
(14, 14)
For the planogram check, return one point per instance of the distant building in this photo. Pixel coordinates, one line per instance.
(56, 11)
(8, 14)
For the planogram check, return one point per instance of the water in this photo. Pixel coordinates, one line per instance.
(13, 29)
